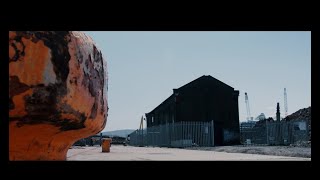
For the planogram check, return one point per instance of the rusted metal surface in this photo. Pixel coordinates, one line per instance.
(57, 93)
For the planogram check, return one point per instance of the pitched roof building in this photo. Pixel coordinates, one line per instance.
(204, 99)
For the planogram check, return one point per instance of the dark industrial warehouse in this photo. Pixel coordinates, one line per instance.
(203, 99)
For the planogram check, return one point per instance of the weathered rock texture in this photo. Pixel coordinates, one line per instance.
(57, 93)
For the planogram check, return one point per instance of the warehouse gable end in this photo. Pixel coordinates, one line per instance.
(204, 99)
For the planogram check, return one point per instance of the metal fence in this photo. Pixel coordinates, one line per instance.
(181, 134)
(274, 133)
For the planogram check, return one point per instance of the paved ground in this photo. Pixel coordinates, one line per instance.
(129, 153)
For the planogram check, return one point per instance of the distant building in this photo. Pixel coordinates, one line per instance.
(204, 99)
(261, 117)
(247, 125)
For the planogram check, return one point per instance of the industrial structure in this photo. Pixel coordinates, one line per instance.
(205, 100)
(249, 117)
(285, 103)
(204, 112)
(276, 132)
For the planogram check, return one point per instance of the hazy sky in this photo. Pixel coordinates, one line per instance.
(144, 67)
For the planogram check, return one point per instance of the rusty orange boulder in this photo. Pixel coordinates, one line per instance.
(57, 93)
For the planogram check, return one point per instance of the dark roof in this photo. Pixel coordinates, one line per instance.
(171, 96)
(205, 77)
(202, 77)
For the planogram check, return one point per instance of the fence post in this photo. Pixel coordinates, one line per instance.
(212, 132)
(267, 132)
(100, 139)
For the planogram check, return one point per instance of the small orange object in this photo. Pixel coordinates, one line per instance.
(106, 142)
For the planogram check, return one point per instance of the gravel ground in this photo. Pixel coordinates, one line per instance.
(290, 151)
(129, 153)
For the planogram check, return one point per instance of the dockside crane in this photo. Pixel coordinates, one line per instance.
(249, 118)
(285, 102)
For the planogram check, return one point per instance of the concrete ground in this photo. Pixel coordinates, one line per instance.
(129, 153)
(262, 150)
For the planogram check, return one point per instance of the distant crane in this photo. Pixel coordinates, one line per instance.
(141, 131)
(285, 103)
(248, 107)
(141, 124)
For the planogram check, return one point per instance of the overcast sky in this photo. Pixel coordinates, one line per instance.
(144, 67)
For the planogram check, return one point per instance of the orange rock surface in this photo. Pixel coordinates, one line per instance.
(57, 91)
